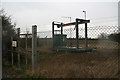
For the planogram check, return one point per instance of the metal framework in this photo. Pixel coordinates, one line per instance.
(76, 23)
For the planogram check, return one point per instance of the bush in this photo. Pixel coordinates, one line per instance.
(115, 37)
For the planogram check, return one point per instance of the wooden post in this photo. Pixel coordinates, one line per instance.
(12, 50)
(26, 48)
(18, 29)
(34, 46)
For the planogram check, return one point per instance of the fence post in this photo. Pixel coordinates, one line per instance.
(34, 46)
(12, 49)
(18, 30)
(26, 47)
(86, 39)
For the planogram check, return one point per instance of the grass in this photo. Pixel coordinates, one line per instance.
(69, 65)
(83, 65)
(10, 71)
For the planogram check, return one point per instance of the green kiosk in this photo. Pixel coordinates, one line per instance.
(60, 40)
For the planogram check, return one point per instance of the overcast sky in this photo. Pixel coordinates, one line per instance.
(25, 14)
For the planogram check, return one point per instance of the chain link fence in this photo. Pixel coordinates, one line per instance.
(44, 40)
(98, 37)
(90, 65)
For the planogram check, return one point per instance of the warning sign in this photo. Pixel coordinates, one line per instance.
(14, 43)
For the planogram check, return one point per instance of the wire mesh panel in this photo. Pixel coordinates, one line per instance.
(70, 32)
(26, 40)
(44, 34)
(44, 39)
(99, 37)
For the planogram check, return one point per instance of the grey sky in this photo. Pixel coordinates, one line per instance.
(59, 0)
(43, 13)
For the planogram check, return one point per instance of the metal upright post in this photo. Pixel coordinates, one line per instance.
(53, 34)
(85, 14)
(77, 34)
(34, 46)
(61, 29)
(18, 29)
(62, 32)
(86, 38)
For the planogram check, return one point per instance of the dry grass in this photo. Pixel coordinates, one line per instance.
(70, 65)
(78, 65)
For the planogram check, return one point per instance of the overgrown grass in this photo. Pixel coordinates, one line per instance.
(80, 65)
(70, 65)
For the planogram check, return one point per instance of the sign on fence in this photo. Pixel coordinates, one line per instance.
(14, 43)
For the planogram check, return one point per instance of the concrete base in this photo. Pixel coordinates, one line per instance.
(72, 49)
